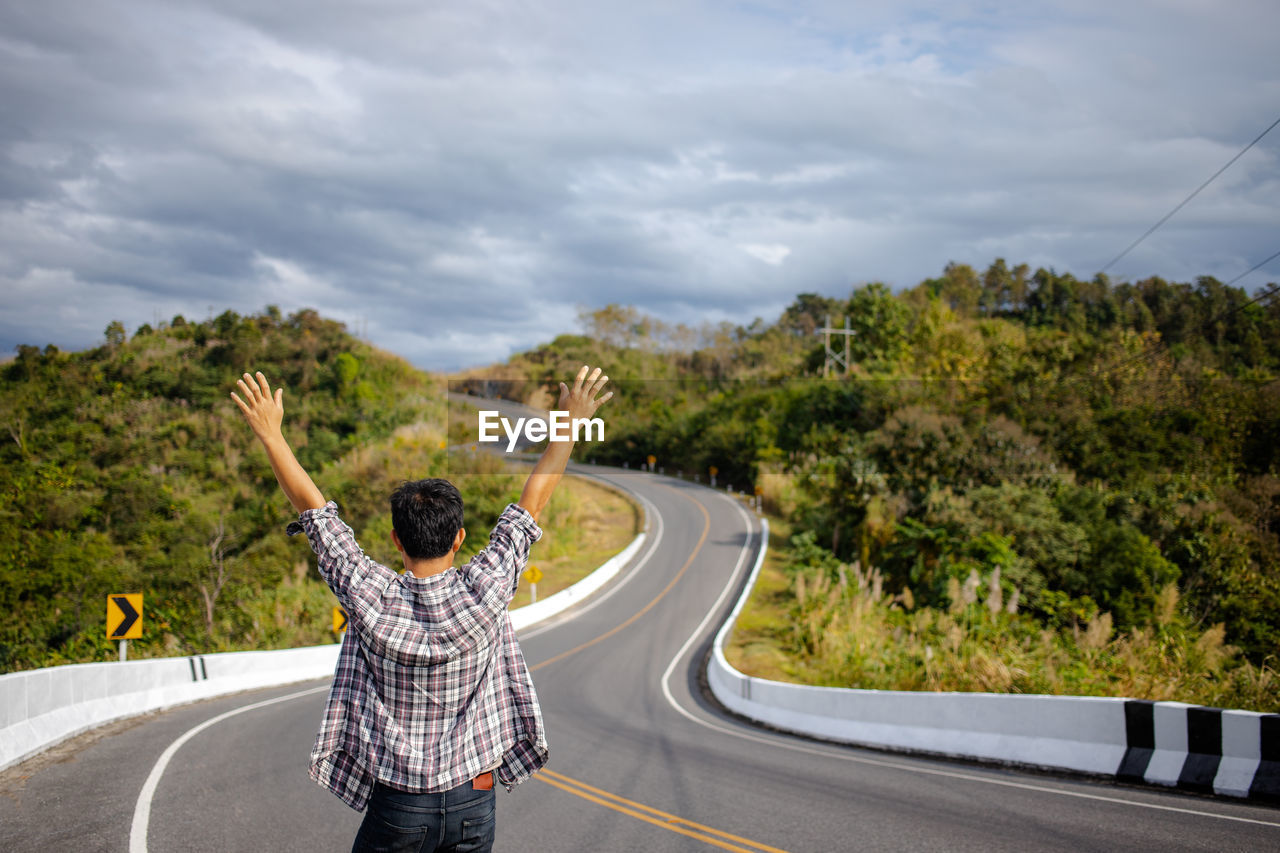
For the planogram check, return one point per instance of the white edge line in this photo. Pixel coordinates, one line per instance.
(142, 811)
(528, 615)
(893, 765)
(554, 622)
(711, 612)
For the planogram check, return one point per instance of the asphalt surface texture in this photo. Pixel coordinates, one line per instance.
(641, 759)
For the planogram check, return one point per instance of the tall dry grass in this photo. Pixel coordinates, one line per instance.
(842, 628)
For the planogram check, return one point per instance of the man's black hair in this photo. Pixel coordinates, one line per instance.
(426, 515)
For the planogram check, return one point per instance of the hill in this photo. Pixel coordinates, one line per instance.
(1102, 459)
(127, 468)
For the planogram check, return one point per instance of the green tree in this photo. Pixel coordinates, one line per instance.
(881, 324)
(114, 334)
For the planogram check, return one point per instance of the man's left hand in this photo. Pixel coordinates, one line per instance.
(263, 410)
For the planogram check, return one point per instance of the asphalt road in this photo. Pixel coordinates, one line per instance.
(640, 761)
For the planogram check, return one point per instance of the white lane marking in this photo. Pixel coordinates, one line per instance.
(711, 612)
(893, 765)
(652, 512)
(142, 811)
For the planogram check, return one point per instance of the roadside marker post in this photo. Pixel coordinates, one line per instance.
(533, 574)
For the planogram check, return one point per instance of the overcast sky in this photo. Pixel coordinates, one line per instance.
(455, 180)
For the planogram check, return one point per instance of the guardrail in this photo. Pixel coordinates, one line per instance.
(530, 614)
(1235, 753)
(42, 707)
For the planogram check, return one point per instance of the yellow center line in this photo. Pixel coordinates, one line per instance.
(674, 823)
(714, 837)
(706, 528)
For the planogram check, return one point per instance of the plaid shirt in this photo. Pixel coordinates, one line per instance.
(430, 689)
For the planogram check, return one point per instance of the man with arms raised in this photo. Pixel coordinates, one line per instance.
(431, 699)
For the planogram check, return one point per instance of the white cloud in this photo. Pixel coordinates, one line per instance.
(487, 168)
(772, 254)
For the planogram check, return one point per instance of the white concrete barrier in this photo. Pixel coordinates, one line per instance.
(552, 605)
(1163, 743)
(39, 708)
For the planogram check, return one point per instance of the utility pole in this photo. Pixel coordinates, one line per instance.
(833, 357)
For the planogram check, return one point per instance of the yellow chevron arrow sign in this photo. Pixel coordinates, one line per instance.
(124, 616)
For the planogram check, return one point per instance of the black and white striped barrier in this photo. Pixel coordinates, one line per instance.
(1210, 750)
(1233, 753)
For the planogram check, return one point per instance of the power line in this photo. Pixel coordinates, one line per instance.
(1152, 350)
(1256, 266)
(1183, 203)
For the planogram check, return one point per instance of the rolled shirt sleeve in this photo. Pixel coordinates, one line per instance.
(494, 572)
(356, 579)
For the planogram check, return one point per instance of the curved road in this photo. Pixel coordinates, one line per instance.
(639, 759)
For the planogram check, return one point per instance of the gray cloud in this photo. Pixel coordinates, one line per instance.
(455, 181)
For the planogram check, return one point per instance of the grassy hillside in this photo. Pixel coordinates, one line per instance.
(127, 468)
(813, 620)
(1105, 455)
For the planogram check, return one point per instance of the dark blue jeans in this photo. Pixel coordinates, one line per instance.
(460, 820)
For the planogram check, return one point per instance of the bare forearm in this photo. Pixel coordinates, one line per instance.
(292, 477)
(580, 401)
(545, 477)
(264, 412)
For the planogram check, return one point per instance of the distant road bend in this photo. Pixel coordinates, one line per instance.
(641, 761)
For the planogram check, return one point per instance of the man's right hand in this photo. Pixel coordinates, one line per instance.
(580, 401)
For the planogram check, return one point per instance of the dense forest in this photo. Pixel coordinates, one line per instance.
(127, 468)
(1095, 456)
(1048, 475)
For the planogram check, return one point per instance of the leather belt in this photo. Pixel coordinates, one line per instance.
(483, 782)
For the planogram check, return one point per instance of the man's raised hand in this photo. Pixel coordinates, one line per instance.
(581, 401)
(263, 410)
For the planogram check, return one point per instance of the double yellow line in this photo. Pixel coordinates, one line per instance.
(706, 528)
(648, 814)
(715, 837)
